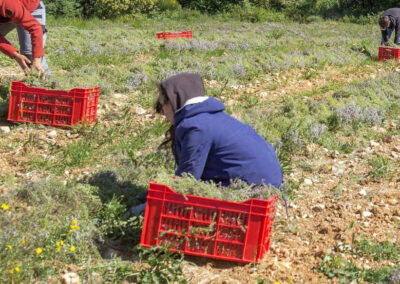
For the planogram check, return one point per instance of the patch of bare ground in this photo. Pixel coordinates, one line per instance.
(340, 192)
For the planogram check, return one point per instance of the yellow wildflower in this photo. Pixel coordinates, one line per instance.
(23, 241)
(74, 222)
(11, 271)
(17, 269)
(9, 247)
(70, 231)
(5, 207)
(74, 227)
(329, 167)
(58, 248)
(73, 248)
(61, 242)
(39, 251)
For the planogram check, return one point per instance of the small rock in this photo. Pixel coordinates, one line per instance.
(387, 139)
(70, 278)
(392, 201)
(366, 214)
(119, 96)
(334, 154)
(363, 192)
(394, 154)
(324, 228)
(5, 129)
(318, 207)
(138, 110)
(373, 143)
(52, 134)
(308, 181)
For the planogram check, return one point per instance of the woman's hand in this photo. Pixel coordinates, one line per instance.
(22, 61)
(38, 66)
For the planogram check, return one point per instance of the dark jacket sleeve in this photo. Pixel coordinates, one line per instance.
(192, 152)
(397, 30)
(385, 36)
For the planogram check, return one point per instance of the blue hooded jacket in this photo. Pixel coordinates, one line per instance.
(212, 145)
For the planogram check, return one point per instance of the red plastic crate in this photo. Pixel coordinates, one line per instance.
(52, 107)
(208, 227)
(168, 35)
(386, 53)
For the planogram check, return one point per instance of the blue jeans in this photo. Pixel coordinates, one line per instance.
(389, 33)
(25, 38)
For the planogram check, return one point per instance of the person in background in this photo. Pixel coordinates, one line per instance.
(29, 18)
(210, 144)
(389, 21)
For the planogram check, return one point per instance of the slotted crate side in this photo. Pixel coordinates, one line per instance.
(52, 107)
(386, 53)
(208, 227)
(169, 35)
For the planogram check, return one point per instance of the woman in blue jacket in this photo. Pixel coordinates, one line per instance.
(210, 144)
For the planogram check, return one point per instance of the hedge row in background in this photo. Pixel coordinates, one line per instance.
(293, 9)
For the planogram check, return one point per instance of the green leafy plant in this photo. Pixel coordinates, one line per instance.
(162, 265)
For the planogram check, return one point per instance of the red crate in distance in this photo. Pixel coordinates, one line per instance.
(168, 35)
(52, 107)
(200, 226)
(386, 53)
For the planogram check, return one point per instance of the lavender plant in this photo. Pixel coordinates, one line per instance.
(395, 277)
(237, 191)
(137, 79)
(316, 131)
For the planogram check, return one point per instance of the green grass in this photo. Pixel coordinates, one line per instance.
(346, 271)
(377, 251)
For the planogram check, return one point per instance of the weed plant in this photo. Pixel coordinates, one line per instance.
(346, 271)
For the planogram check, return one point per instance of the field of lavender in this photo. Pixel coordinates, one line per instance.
(315, 91)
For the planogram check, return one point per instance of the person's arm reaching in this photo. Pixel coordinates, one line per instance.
(21, 16)
(193, 152)
(385, 37)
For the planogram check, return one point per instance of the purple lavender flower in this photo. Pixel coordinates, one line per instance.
(317, 130)
(395, 277)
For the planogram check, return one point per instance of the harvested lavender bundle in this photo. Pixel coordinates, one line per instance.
(32, 80)
(237, 191)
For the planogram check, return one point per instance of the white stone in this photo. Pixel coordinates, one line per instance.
(373, 144)
(366, 214)
(70, 278)
(308, 181)
(119, 96)
(52, 134)
(363, 192)
(5, 129)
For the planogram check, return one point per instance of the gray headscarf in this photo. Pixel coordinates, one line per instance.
(182, 87)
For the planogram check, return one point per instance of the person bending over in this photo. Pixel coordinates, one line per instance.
(29, 18)
(210, 144)
(389, 21)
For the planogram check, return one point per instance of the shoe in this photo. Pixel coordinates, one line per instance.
(138, 209)
(142, 197)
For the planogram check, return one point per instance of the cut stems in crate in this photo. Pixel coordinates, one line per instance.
(207, 227)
